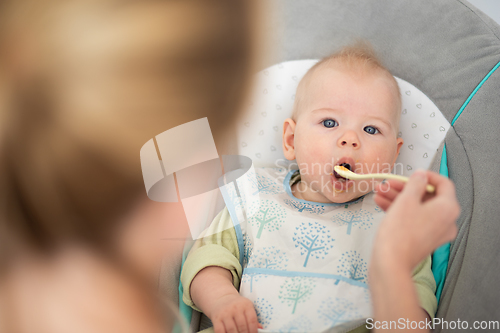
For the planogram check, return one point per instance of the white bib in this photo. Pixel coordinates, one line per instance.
(305, 263)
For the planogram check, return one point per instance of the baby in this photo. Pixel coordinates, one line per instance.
(299, 263)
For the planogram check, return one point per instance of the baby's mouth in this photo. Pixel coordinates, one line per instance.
(339, 177)
(341, 184)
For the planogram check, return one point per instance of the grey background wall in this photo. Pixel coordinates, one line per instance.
(489, 7)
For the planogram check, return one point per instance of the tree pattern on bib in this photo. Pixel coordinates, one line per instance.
(337, 311)
(300, 324)
(264, 311)
(358, 218)
(352, 266)
(268, 258)
(262, 184)
(247, 249)
(270, 216)
(304, 206)
(313, 239)
(296, 290)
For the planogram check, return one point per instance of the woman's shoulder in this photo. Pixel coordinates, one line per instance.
(72, 292)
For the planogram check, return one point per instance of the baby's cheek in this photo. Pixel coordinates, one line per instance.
(385, 160)
(310, 155)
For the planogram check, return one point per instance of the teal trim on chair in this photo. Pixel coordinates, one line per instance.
(441, 256)
(440, 259)
(473, 93)
(443, 167)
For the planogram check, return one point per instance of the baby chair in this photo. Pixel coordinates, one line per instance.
(447, 50)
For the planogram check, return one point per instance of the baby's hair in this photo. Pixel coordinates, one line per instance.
(359, 58)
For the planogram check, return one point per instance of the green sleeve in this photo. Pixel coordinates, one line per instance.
(218, 248)
(426, 286)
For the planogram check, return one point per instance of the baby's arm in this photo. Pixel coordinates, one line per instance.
(212, 291)
(211, 275)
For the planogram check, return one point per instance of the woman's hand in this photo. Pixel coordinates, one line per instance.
(415, 225)
(416, 222)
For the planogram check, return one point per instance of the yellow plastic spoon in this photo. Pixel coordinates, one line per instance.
(346, 173)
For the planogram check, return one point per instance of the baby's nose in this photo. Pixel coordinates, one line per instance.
(347, 143)
(349, 139)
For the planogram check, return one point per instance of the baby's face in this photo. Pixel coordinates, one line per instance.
(344, 118)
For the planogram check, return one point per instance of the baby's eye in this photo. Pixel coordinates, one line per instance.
(371, 130)
(330, 123)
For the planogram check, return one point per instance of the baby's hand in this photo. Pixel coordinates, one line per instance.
(234, 314)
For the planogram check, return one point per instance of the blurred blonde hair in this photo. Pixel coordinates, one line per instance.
(85, 83)
(359, 58)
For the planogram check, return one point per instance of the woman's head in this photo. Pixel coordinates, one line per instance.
(85, 83)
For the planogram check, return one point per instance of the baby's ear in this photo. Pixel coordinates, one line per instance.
(399, 144)
(288, 139)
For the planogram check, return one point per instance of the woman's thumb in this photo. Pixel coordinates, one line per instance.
(416, 185)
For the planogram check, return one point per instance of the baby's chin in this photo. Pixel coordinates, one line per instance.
(344, 196)
(340, 198)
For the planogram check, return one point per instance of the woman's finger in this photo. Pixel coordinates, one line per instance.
(443, 185)
(382, 202)
(415, 189)
(388, 193)
(389, 188)
(445, 188)
(381, 188)
(395, 184)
